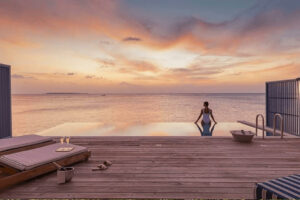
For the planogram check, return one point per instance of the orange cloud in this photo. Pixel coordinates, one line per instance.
(137, 66)
(258, 41)
(19, 41)
(108, 18)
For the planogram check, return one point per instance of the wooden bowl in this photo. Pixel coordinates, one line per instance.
(242, 136)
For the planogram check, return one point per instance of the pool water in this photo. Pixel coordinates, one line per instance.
(150, 129)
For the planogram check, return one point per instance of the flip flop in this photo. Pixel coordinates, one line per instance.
(100, 167)
(107, 163)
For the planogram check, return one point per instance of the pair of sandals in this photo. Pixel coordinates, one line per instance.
(103, 166)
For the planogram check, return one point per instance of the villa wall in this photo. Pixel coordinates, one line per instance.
(5, 102)
(283, 97)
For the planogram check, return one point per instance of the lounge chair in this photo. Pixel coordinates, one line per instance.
(281, 188)
(21, 166)
(22, 143)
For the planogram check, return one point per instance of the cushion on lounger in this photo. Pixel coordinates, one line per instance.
(29, 159)
(282, 188)
(22, 141)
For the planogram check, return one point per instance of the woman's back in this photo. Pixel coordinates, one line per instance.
(206, 113)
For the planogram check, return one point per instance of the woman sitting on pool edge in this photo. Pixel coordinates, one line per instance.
(206, 112)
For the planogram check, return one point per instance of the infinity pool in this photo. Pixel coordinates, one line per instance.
(151, 129)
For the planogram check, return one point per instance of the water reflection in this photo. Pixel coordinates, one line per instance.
(149, 129)
(206, 130)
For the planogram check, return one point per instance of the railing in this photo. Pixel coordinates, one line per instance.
(281, 124)
(284, 97)
(263, 125)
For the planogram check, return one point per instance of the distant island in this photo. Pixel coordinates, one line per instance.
(65, 93)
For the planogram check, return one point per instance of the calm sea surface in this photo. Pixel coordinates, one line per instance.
(34, 113)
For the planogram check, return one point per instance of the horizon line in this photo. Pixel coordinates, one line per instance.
(113, 93)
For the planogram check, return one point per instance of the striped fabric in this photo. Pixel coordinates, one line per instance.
(282, 188)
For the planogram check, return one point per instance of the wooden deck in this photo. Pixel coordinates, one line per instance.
(170, 167)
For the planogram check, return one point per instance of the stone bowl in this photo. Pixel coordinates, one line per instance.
(242, 136)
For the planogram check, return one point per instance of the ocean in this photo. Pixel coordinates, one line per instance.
(35, 113)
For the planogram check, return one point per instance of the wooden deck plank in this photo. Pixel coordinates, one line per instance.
(170, 167)
(129, 195)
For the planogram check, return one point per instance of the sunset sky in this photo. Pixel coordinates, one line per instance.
(102, 46)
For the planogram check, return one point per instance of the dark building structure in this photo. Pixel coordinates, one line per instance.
(283, 97)
(5, 102)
